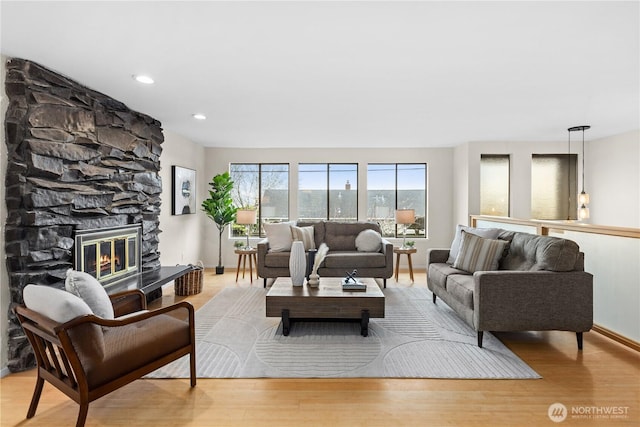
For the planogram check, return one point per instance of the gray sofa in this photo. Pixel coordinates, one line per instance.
(343, 255)
(540, 284)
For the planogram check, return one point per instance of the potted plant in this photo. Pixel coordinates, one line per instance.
(219, 207)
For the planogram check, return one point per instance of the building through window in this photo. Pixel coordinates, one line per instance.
(328, 191)
(392, 186)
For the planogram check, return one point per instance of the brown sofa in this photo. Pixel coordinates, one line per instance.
(540, 284)
(343, 255)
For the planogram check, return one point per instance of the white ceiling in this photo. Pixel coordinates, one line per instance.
(348, 74)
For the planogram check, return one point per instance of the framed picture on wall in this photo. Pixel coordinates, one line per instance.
(183, 185)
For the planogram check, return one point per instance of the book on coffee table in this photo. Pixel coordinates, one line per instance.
(354, 286)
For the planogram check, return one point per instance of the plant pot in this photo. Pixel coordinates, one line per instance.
(220, 269)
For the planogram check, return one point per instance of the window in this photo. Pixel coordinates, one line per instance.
(328, 191)
(264, 187)
(397, 186)
(553, 186)
(494, 184)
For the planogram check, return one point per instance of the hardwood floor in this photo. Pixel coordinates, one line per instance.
(605, 376)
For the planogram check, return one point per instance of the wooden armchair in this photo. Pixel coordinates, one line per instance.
(88, 357)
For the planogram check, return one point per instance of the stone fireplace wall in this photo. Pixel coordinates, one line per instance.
(77, 159)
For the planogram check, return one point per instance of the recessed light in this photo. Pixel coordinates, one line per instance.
(143, 79)
(200, 117)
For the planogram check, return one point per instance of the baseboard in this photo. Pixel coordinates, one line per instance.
(4, 372)
(617, 337)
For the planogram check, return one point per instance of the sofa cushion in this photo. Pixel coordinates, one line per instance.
(369, 241)
(488, 233)
(88, 288)
(135, 345)
(279, 236)
(478, 254)
(351, 260)
(438, 272)
(530, 252)
(341, 236)
(460, 287)
(305, 235)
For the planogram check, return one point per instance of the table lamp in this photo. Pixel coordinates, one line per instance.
(246, 217)
(405, 217)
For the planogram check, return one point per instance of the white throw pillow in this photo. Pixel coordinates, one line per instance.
(369, 241)
(54, 303)
(62, 306)
(279, 236)
(487, 233)
(305, 235)
(91, 291)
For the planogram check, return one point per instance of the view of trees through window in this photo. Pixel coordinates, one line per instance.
(392, 186)
(264, 187)
(328, 191)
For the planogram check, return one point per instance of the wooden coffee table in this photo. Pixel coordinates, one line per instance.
(327, 301)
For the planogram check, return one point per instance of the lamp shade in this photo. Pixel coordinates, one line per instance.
(246, 216)
(405, 216)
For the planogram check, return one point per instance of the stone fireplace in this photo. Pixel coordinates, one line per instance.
(78, 160)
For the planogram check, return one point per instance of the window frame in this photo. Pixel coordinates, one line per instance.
(398, 229)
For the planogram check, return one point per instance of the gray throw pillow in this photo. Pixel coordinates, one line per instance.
(487, 233)
(478, 254)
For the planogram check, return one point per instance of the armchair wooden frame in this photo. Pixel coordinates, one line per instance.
(59, 363)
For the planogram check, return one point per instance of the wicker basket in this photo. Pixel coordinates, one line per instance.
(191, 282)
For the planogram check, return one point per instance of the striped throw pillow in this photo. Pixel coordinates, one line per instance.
(478, 254)
(304, 234)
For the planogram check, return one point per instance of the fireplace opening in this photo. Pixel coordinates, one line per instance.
(109, 254)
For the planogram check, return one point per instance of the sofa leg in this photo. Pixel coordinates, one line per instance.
(384, 282)
(434, 298)
(480, 339)
(265, 282)
(579, 338)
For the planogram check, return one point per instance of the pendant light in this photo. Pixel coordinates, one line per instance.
(583, 197)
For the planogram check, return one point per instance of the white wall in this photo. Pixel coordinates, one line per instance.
(439, 203)
(4, 277)
(182, 235)
(612, 179)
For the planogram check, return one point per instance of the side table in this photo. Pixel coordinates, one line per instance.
(243, 254)
(407, 252)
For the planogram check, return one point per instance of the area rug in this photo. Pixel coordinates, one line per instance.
(416, 339)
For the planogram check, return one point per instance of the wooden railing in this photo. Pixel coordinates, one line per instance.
(544, 227)
(608, 267)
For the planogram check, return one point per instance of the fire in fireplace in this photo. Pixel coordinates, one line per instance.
(109, 255)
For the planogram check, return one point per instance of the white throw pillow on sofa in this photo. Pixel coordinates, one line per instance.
(91, 291)
(279, 236)
(369, 241)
